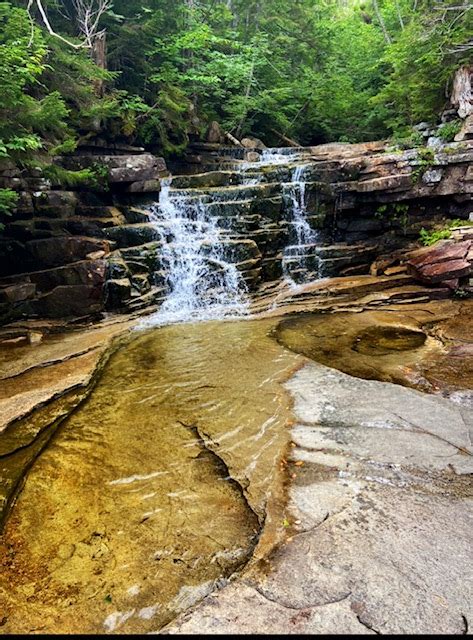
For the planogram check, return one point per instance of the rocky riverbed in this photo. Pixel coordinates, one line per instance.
(356, 492)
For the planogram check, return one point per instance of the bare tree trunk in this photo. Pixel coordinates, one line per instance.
(233, 139)
(48, 26)
(382, 24)
(289, 141)
(99, 56)
(399, 15)
(462, 91)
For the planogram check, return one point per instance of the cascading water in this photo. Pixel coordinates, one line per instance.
(201, 280)
(298, 262)
(195, 257)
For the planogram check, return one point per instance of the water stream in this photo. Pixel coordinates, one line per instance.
(156, 489)
(203, 283)
(159, 485)
(197, 241)
(296, 264)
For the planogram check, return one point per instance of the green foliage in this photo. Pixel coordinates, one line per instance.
(407, 138)
(313, 70)
(449, 130)
(426, 158)
(396, 213)
(462, 293)
(94, 177)
(428, 238)
(8, 202)
(421, 59)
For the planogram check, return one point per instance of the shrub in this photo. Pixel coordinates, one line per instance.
(8, 201)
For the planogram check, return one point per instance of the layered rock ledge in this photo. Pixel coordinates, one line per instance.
(100, 245)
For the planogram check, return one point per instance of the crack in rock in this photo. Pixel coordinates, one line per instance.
(221, 462)
(365, 624)
(274, 600)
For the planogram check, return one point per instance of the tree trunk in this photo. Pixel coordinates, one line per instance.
(289, 141)
(382, 24)
(462, 91)
(99, 56)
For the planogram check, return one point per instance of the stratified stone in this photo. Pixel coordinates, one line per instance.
(52, 252)
(444, 271)
(17, 292)
(444, 262)
(118, 292)
(133, 234)
(85, 272)
(71, 301)
(57, 204)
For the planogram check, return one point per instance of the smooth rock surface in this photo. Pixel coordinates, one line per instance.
(380, 515)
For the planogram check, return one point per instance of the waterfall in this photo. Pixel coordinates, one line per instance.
(201, 280)
(198, 255)
(299, 262)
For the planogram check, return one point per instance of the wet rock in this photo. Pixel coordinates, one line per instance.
(84, 272)
(252, 156)
(118, 292)
(35, 337)
(117, 267)
(133, 234)
(375, 488)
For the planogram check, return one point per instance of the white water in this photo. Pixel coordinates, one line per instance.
(203, 284)
(303, 237)
(202, 281)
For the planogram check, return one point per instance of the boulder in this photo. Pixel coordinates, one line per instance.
(124, 168)
(214, 133)
(17, 292)
(252, 143)
(53, 252)
(443, 271)
(71, 301)
(118, 292)
(84, 272)
(55, 204)
(145, 186)
(446, 262)
(133, 234)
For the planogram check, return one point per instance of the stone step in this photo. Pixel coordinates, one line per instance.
(228, 193)
(131, 235)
